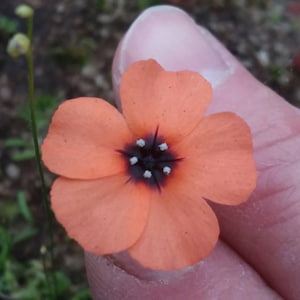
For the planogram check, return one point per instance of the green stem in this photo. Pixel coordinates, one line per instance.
(46, 204)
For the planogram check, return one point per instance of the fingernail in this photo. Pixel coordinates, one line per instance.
(170, 36)
(125, 262)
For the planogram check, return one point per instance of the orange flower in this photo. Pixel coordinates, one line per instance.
(139, 180)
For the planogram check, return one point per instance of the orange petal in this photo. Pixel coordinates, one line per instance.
(174, 101)
(218, 160)
(182, 229)
(82, 139)
(105, 215)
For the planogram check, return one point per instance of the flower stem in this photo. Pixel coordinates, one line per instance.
(29, 57)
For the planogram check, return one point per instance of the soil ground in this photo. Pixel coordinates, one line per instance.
(74, 44)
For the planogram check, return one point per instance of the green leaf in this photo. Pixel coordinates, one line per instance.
(8, 25)
(25, 234)
(44, 108)
(8, 210)
(143, 4)
(24, 209)
(5, 245)
(23, 155)
(83, 294)
(16, 142)
(62, 282)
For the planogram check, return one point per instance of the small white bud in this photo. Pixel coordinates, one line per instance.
(43, 250)
(24, 11)
(18, 45)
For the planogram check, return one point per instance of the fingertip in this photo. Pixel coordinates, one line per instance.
(171, 37)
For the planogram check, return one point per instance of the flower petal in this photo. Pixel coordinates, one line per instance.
(182, 229)
(105, 215)
(173, 101)
(218, 160)
(82, 139)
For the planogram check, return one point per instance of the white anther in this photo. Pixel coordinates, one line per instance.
(147, 174)
(163, 147)
(133, 160)
(167, 170)
(141, 143)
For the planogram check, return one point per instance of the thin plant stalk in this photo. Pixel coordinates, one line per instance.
(29, 57)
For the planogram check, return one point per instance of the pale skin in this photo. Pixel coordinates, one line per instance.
(258, 254)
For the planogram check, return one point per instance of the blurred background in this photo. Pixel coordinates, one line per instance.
(74, 44)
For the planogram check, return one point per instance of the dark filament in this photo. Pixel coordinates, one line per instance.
(150, 159)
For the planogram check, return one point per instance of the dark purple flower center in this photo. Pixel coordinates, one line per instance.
(149, 160)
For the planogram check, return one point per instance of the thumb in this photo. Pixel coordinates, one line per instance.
(173, 39)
